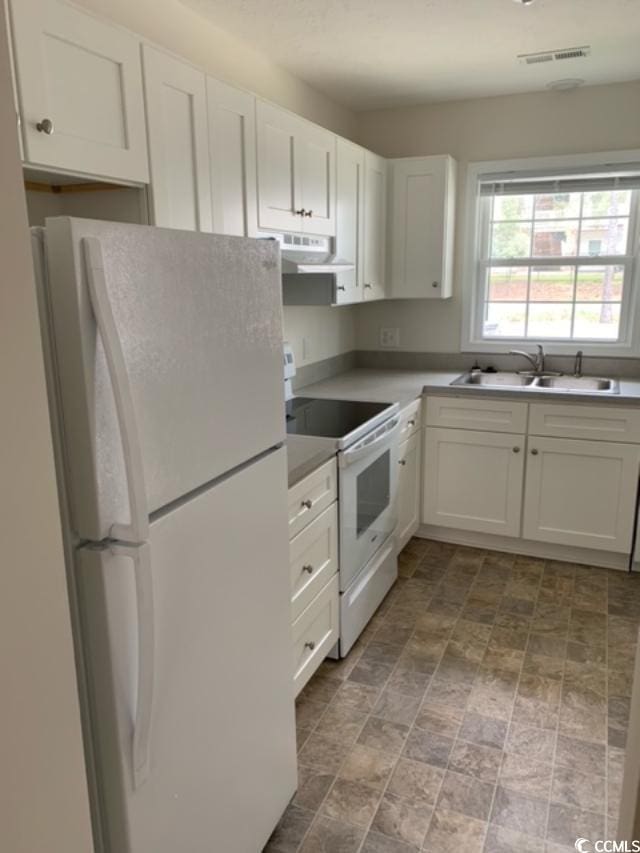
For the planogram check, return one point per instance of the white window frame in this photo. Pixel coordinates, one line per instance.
(475, 240)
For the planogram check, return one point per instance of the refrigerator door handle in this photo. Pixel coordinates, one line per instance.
(141, 556)
(138, 528)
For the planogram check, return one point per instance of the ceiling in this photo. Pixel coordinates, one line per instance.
(369, 54)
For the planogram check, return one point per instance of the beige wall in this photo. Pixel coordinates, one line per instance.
(176, 27)
(316, 333)
(43, 790)
(598, 118)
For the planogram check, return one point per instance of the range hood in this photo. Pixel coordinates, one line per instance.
(297, 262)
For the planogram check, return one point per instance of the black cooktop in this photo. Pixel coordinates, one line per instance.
(328, 418)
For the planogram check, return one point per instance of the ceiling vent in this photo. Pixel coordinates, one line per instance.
(555, 55)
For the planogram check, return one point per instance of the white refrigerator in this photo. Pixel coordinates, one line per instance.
(165, 365)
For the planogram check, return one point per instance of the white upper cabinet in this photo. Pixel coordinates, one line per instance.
(178, 142)
(80, 92)
(350, 220)
(296, 173)
(422, 227)
(232, 151)
(375, 226)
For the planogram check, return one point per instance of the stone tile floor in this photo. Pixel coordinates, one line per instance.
(484, 708)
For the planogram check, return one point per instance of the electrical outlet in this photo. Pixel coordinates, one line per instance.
(389, 337)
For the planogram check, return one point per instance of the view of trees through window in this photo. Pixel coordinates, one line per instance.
(556, 264)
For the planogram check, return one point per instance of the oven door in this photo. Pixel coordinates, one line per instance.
(368, 476)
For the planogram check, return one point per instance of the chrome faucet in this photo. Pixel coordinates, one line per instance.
(577, 364)
(536, 361)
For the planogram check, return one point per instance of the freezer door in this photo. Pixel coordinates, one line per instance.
(221, 747)
(191, 342)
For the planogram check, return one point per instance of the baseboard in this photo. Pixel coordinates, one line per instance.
(526, 547)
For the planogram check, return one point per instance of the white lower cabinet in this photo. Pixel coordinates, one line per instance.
(581, 493)
(313, 568)
(473, 480)
(408, 489)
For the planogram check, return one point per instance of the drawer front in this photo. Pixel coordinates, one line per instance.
(485, 415)
(599, 423)
(313, 556)
(311, 496)
(410, 419)
(315, 632)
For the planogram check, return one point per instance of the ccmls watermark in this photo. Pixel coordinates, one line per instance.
(583, 845)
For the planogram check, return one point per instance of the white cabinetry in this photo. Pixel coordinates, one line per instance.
(375, 226)
(178, 142)
(581, 493)
(232, 152)
(350, 220)
(422, 227)
(473, 480)
(313, 567)
(80, 92)
(296, 173)
(409, 474)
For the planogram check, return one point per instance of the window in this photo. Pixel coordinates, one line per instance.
(554, 257)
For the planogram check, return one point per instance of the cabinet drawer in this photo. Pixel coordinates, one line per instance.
(486, 415)
(309, 497)
(315, 632)
(600, 423)
(410, 419)
(313, 556)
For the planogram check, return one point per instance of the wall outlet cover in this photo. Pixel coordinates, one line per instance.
(389, 337)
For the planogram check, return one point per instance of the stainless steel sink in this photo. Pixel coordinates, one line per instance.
(528, 381)
(578, 383)
(501, 379)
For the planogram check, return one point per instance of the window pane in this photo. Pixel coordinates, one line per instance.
(508, 284)
(607, 203)
(552, 284)
(597, 321)
(558, 206)
(504, 320)
(599, 284)
(604, 236)
(547, 320)
(511, 240)
(512, 207)
(555, 239)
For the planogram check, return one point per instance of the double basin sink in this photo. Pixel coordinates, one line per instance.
(529, 381)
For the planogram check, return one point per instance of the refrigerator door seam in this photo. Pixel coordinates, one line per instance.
(138, 528)
(141, 741)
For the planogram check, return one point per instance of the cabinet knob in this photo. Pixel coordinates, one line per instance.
(534, 452)
(308, 569)
(341, 287)
(309, 213)
(435, 284)
(45, 126)
(402, 461)
(368, 286)
(411, 422)
(516, 450)
(300, 212)
(307, 504)
(310, 645)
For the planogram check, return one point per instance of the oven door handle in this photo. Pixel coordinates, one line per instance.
(365, 446)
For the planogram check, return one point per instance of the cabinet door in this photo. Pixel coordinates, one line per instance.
(278, 192)
(375, 224)
(315, 152)
(232, 155)
(84, 76)
(422, 211)
(473, 480)
(178, 142)
(350, 220)
(581, 493)
(408, 489)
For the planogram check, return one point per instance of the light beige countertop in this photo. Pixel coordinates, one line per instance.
(403, 386)
(305, 454)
